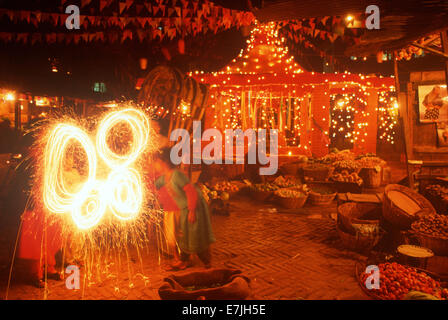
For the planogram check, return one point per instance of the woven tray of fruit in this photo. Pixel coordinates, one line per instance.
(399, 282)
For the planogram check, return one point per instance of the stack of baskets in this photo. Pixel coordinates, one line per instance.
(402, 206)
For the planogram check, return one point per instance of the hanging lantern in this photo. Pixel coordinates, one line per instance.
(379, 57)
(143, 63)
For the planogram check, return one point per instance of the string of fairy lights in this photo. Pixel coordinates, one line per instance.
(251, 93)
(387, 117)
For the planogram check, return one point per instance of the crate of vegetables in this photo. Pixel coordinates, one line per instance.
(432, 232)
(399, 282)
(291, 198)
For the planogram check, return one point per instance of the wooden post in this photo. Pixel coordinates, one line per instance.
(444, 38)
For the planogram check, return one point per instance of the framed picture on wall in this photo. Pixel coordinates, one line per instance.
(433, 103)
(442, 134)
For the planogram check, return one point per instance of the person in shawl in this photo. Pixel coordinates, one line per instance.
(186, 215)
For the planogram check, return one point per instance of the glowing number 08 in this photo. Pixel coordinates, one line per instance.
(121, 192)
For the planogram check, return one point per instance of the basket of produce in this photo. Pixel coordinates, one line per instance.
(263, 191)
(438, 196)
(336, 155)
(353, 214)
(351, 166)
(286, 182)
(347, 182)
(317, 172)
(371, 171)
(398, 282)
(226, 186)
(321, 195)
(372, 177)
(431, 232)
(291, 198)
(212, 284)
(363, 240)
(292, 168)
(402, 206)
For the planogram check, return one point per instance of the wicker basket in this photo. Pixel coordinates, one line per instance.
(358, 242)
(321, 173)
(437, 245)
(291, 203)
(319, 199)
(262, 195)
(397, 216)
(371, 177)
(358, 213)
(361, 267)
(292, 169)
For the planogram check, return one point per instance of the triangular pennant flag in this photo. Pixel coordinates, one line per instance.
(148, 7)
(142, 22)
(85, 3)
(162, 9)
(129, 3)
(55, 17)
(103, 4)
(123, 22)
(25, 16)
(122, 6)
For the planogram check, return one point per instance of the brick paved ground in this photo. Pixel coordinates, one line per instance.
(286, 254)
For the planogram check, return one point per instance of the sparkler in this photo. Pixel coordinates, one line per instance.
(56, 194)
(122, 192)
(139, 125)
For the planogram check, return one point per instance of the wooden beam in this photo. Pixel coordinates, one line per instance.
(431, 50)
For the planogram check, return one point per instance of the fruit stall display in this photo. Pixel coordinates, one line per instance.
(398, 282)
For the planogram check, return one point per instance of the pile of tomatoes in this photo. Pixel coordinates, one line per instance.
(397, 280)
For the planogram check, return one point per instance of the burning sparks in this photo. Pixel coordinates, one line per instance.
(121, 192)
